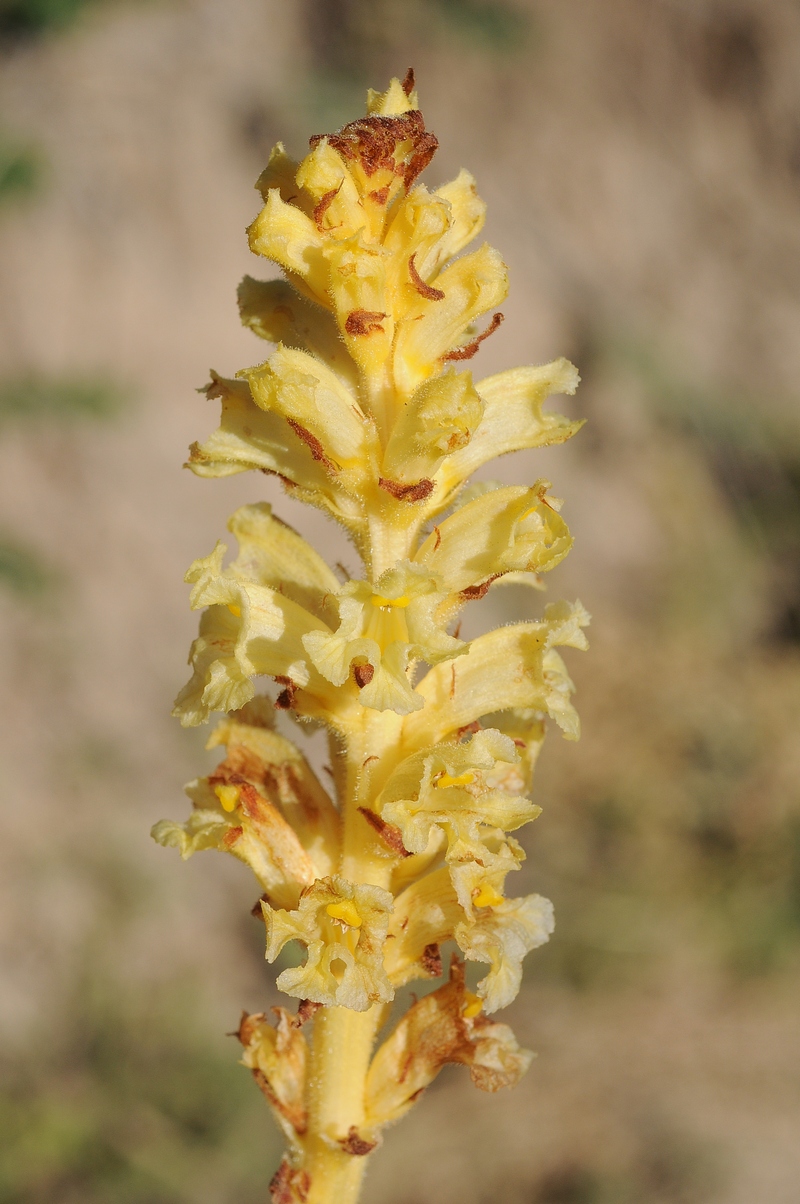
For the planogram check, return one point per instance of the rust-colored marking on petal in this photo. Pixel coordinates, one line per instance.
(323, 204)
(407, 493)
(474, 592)
(379, 195)
(312, 443)
(354, 1144)
(230, 837)
(390, 834)
(364, 322)
(425, 290)
(468, 350)
(431, 960)
(469, 729)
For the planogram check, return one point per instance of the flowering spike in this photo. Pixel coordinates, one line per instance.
(370, 409)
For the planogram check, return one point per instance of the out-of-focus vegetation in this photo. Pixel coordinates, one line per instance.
(25, 19)
(20, 170)
(61, 399)
(680, 830)
(125, 1096)
(34, 401)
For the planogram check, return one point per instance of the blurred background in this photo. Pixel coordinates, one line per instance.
(641, 161)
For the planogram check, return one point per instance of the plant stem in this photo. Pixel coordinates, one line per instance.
(343, 1039)
(340, 1056)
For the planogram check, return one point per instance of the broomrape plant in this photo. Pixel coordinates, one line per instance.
(367, 411)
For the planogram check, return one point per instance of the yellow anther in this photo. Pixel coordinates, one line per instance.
(402, 601)
(463, 779)
(236, 611)
(228, 796)
(472, 1006)
(487, 896)
(346, 911)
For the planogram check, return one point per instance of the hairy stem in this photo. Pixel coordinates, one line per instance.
(341, 1050)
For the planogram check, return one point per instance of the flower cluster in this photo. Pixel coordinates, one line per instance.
(366, 410)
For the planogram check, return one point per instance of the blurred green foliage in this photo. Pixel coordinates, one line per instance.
(32, 18)
(491, 24)
(128, 1093)
(21, 570)
(667, 1167)
(31, 398)
(359, 42)
(36, 400)
(20, 171)
(675, 824)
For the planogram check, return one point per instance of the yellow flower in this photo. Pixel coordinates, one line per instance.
(451, 787)
(382, 629)
(367, 408)
(343, 927)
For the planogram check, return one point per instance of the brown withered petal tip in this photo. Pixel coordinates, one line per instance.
(354, 1144)
(256, 911)
(306, 1010)
(425, 290)
(373, 141)
(408, 493)
(468, 350)
(364, 322)
(289, 1186)
(408, 81)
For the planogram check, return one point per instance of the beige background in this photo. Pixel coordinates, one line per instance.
(641, 160)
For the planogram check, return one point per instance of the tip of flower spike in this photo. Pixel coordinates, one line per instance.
(346, 911)
(228, 796)
(399, 97)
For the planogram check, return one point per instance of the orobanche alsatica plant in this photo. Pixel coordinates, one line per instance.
(367, 410)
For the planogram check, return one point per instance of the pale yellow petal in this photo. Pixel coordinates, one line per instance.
(513, 418)
(319, 408)
(502, 936)
(275, 311)
(504, 668)
(287, 236)
(438, 419)
(506, 530)
(271, 553)
(472, 286)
